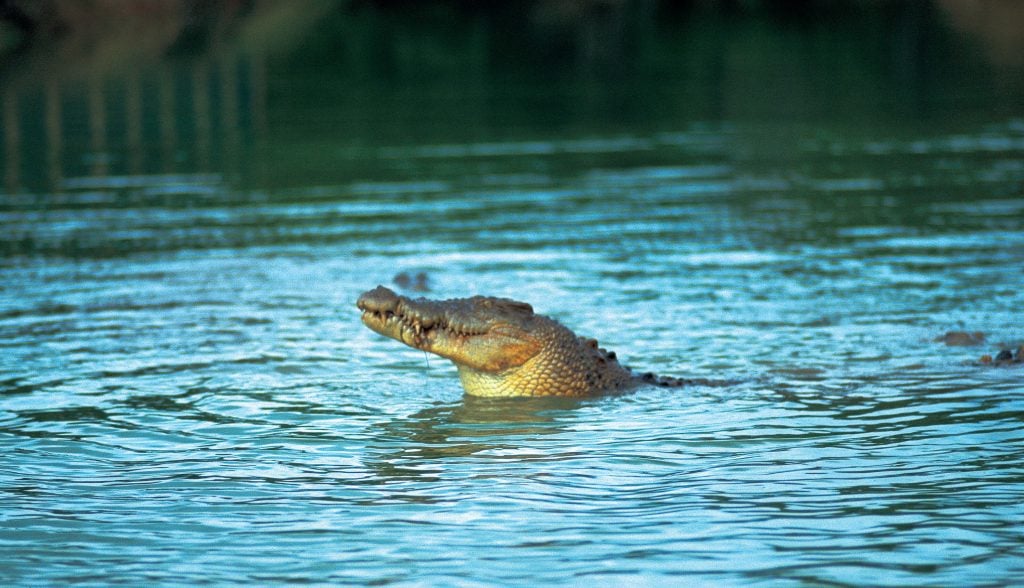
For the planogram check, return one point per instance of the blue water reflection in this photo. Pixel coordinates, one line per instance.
(187, 394)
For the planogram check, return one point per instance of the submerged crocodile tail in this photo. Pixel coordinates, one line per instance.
(673, 382)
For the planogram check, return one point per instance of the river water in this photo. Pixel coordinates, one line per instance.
(187, 394)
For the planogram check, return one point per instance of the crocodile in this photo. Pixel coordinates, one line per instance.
(502, 348)
(1004, 357)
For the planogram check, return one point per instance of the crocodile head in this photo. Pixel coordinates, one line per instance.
(500, 346)
(481, 333)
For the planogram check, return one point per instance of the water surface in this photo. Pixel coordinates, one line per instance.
(187, 394)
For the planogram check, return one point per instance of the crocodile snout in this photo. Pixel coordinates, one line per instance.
(378, 300)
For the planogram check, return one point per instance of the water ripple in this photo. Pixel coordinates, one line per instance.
(186, 384)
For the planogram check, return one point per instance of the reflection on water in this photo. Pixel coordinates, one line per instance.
(187, 394)
(140, 129)
(471, 427)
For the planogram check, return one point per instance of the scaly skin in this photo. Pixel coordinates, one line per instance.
(500, 347)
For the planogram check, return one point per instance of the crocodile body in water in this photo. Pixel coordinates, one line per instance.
(502, 348)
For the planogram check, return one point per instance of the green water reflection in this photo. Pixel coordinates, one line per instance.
(294, 95)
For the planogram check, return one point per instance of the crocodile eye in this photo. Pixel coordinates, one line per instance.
(516, 306)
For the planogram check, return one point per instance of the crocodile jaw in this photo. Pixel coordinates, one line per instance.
(467, 331)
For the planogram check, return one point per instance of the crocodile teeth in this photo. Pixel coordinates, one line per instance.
(418, 325)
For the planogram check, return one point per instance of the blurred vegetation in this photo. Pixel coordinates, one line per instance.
(274, 89)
